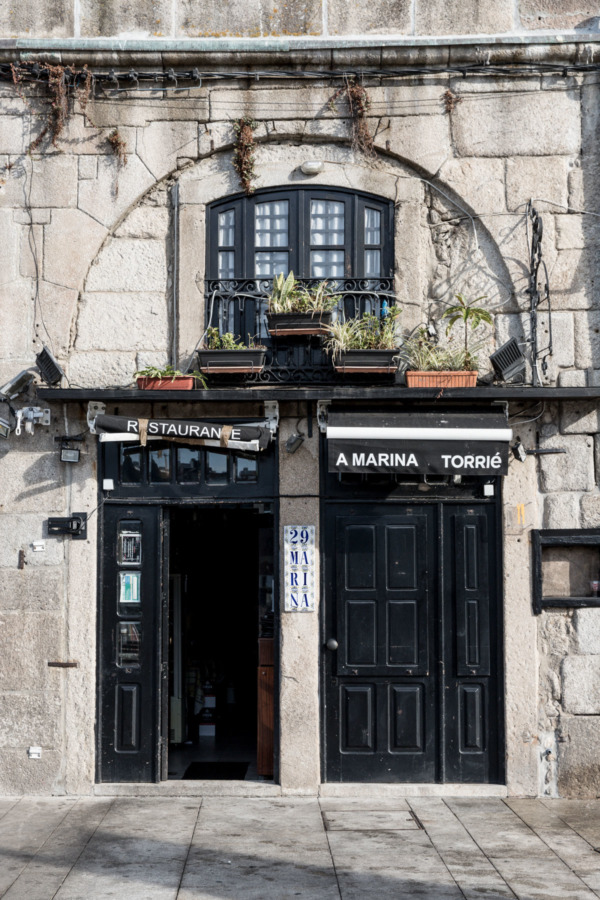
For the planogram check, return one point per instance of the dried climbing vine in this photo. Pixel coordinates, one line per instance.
(359, 103)
(118, 146)
(450, 101)
(244, 147)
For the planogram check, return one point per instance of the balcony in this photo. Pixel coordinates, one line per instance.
(240, 306)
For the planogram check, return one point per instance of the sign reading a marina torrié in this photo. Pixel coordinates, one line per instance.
(411, 457)
(299, 568)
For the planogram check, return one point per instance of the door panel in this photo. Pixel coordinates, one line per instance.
(130, 629)
(413, 691)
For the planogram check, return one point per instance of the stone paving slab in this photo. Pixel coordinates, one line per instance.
(281, 848)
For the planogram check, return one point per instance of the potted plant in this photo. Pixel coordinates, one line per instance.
(167, 378)
(366, 344)
(224, 354)
(431, 365)
(297, 310)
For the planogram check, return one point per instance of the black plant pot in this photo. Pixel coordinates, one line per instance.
(365, 361)
(290, 324)
(228, 362)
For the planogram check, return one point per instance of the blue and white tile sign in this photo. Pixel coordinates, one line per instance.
(299, 568)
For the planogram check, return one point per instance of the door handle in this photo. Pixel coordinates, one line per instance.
(332, 644)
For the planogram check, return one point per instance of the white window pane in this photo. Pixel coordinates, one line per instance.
(226, 264)
(269, 264)
(372, 262)
(326, 223)
(327, 264)
(271, 224)
(227, 228)
(372, 226)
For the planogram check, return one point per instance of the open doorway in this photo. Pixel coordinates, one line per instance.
(221, 624)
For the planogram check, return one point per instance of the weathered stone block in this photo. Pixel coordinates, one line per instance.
(456, 17)
(88, 168)
(573, 279)
(532, 178)
(101, 368)
(422, 141)
(587, 340)
(137, 110)
(559, 14)
(71, 242)
(20, 775)
(580, 417)
(27, 641)
(15, 321)
(378, 17)
(570, 471)
(57, 306)
(115, 17)
(545, 124)
(478, 181)
(115, 190)
(27, 719)
(125, 263)
(573, 378)
(576, 232)
(227, 18)
(53, 181)
(581, 685)
(9, 241)
(120, 321)
(161, 143)
(28, 476)
(14, 134)
(145, 222)
(17, 532)
(578, 758)
(587, 626)
(32, 590)
(53, 19)
(561, 511)
(590, 512)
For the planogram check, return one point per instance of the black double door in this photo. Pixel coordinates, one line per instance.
(413, 692)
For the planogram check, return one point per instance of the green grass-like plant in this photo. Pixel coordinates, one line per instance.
(169, 373)
(289, 296)
(228, 341)
(369, 332)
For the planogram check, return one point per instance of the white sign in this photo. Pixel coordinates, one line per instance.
(299, 568)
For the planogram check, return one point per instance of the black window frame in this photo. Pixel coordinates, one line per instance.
(299, 248)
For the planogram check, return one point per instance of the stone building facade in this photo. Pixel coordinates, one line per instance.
(475, 109)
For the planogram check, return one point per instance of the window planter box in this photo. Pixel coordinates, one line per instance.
(179, 383)
(367, 361)
(230, 362)
(290, 324)
(441, 379)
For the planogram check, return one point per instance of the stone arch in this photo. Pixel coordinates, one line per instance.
(124, 312)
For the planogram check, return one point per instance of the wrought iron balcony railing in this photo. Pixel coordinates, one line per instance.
(240, 306)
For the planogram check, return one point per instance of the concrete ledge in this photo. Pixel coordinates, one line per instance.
(190, 789)
(413, 790)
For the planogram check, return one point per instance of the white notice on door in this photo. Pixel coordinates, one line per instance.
(299, 568)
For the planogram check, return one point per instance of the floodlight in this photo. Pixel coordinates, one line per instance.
(4, 427)
(508, 361)
(18, 384)
(50, 370)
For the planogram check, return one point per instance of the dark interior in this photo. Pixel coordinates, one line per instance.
(221, 577)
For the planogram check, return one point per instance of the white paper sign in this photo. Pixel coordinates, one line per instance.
(299, 568)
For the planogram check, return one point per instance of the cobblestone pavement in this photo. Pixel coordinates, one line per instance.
(221, 848)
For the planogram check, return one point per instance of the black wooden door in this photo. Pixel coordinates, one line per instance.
(412, 691)
(130, 645)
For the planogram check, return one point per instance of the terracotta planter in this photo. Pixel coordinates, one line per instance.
(179, 383)
(230, 362)
(441, 379)
(376, 362)
(291, 324)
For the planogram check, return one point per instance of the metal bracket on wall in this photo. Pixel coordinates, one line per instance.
(322, 408)
(537, 296)
(74, 526)
(272, 415)
(95, 408)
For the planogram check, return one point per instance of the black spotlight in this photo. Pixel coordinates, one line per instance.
(50, 370)
(508, 361)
